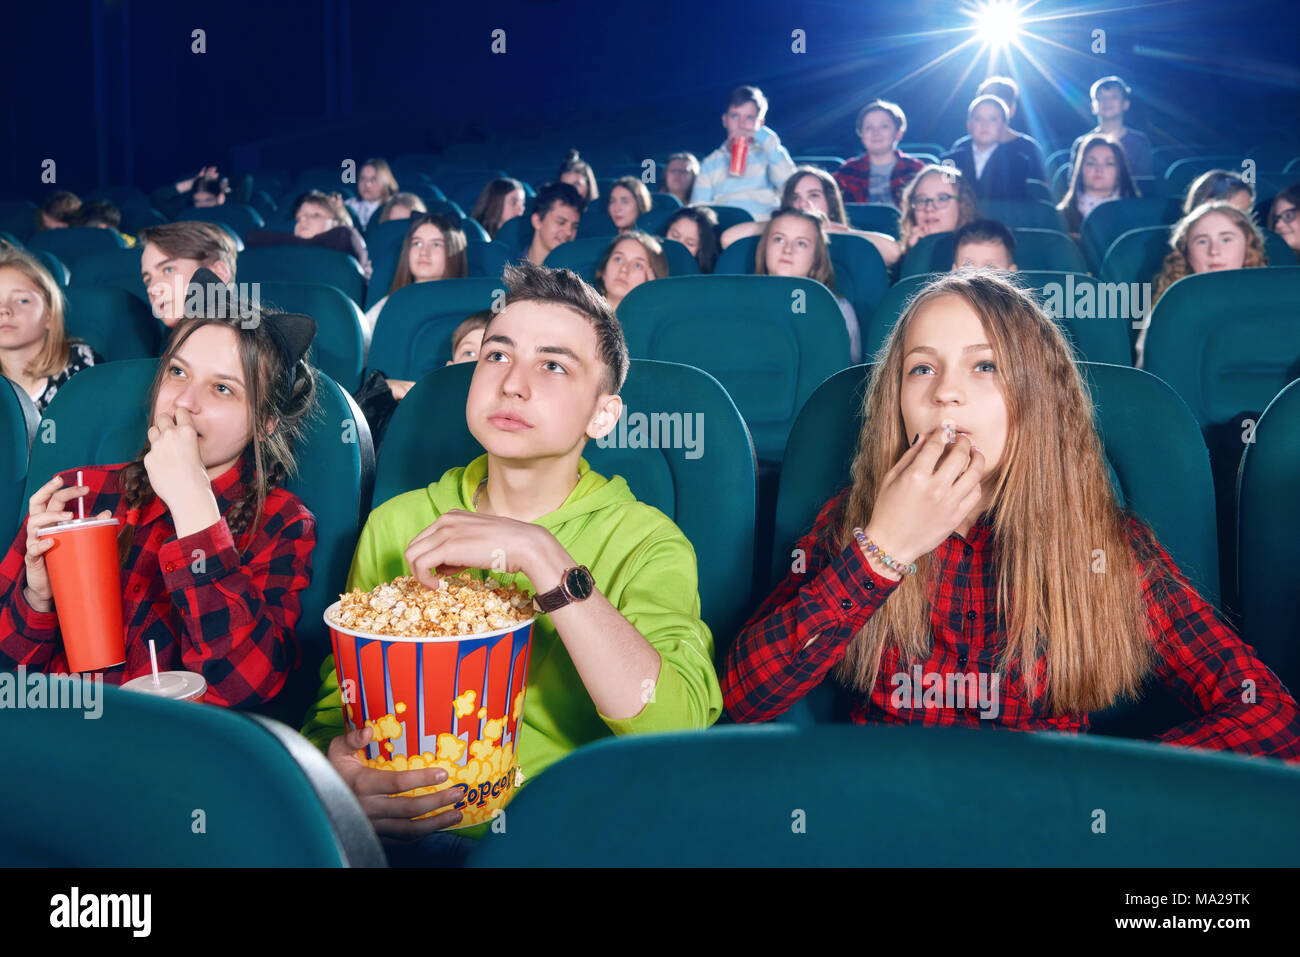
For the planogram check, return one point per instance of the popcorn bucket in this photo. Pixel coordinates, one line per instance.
(452, 703)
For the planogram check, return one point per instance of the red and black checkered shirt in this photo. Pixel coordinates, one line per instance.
(776, 660)
(226, 613)
(854, 177)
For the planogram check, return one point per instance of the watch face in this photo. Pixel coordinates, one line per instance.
(578, 583)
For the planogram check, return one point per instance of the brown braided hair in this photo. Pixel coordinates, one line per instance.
(273, 448)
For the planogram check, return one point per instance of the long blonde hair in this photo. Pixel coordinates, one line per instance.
(1052, 509)
(54, 354)
(1177, 265)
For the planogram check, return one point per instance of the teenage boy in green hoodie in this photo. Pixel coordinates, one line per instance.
(623, 649)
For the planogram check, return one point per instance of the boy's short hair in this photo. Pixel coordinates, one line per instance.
(748, 94)
(1003, 87)
(1107, 83)
(60, 205)
(96, 214)
(528, 282)
(206, 243)
(557, 193)
(478, 320)
(984, 231)
(1216, 184)
(893, 109)
(983, 98)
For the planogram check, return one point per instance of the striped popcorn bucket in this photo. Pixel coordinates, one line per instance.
(452, 703)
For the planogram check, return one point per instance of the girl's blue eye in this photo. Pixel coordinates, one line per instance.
(988, 362)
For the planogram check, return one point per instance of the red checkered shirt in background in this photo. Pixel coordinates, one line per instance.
(210, 608)
(803, 629)
(854, 178)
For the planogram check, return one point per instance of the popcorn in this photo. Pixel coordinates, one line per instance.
(403, 608)
(488, 773)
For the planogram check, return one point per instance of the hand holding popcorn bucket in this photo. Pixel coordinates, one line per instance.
(440, 678)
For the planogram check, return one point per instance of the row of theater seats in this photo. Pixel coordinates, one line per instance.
(735, 796)
(742, 493)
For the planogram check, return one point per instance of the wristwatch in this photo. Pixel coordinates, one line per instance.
(576, 584)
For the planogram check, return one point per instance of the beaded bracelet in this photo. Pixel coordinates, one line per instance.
(871, 548)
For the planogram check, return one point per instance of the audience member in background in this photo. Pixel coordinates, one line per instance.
(467, 338)
(100, 215)
(679, 176)
(984, 244)
(1283, 218)
(961, 532)
(319, 219)
(210, 192)
(557, 210)
(1220, 184)
(1101, 174)
(1210, 238)
(434, 248)
(881, 173)
(1008, 91)
(556, 359)
(35, 351)
(938, 200)
(172, 199)
(227, 408)
(375, 186)
(794, 244)
(401, 206)
(55, 211)
(628, 199)
(767, 165)
(696, 228)
(170, 256)
(994, 169)
(1110, 101)
(578, 173)
(627, 262)
(501, 201)
(812, 188)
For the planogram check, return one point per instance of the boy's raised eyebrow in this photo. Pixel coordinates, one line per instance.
(974, 348)
(547, 350)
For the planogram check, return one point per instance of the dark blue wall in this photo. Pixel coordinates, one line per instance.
(113, 93)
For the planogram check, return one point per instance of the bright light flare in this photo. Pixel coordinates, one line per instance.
(997, 23)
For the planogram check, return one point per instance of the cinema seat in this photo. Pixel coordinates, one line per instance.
(18, 216)
(1036, 249)
(1227, 343)
(1031, 213)
(176, 785)
(1095, 340)
(335, 477)
(967, 795)
(745, 331)
(1137, 255)
(709, 492)
(1158, 464)
(18, 423)
(235, 216)
(1268, 536)
(74, 242)
(729, 216)
(875, 217)
(340, 345)
(53, 265)
(413, 333)
(327, 267)
(112, 267)
(1108, 221)
(113, 322)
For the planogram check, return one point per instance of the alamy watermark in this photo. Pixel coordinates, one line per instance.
(657, 430)
(933, 689)
(1099, 300)
(20, 690)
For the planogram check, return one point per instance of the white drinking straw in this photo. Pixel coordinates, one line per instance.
(153, 660)
(81, 501)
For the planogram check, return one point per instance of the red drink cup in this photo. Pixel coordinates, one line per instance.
(739, 155)
(87, 586)
(177, 685)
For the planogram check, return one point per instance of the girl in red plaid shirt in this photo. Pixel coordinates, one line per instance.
(228, 402)
(978, 570)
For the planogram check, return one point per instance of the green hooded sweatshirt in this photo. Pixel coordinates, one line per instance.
(641, 563)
